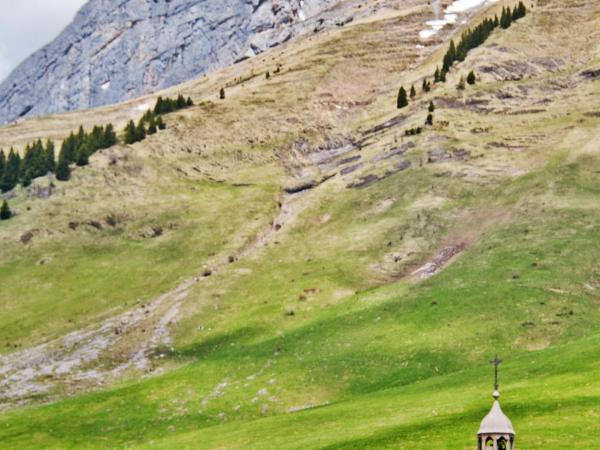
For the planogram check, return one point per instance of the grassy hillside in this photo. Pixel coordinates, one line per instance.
(209, 307)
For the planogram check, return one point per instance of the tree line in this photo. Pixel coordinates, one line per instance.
(151, 121)
(39, 159)
(469, 40)
(78, 148)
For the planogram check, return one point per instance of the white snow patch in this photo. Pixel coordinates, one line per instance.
(460, 6)
(144, 106)
(301, 14)
(105, 86)
(451, 16)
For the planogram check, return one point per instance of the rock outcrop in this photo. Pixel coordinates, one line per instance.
(119, 49)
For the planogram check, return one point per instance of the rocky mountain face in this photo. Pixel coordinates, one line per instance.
(119, 49)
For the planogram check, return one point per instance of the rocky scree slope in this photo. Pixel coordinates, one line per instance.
(119, 49)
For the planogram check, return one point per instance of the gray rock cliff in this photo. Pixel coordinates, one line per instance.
(115, 50)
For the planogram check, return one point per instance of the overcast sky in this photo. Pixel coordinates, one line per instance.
(27, 25)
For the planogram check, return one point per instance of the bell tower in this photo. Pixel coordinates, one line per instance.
(496, 431)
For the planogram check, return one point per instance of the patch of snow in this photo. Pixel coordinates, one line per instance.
(301, 14)
(144, 106)
(105, 86)
(426, 34)
(451, 16)
(460, 6)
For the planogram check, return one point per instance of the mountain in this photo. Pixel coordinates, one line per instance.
(301, 265)
(119, 49)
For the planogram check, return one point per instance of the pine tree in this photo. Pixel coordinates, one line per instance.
(180, 103)
(152, 126)
(471, 78)
(519, 11)
(158, 108)
(130, 135)
(506, 18)
(5, 212)
(50, 156)
(449, 57)
(402, 99)
(522, 10)
(189, 102)
(461, 84)
(222, 94)
(140, 131)
(443, 76)
(268, 75)
(2, 163)
(160, 123)
(68, 148)
(436, 75)
(147, 115)
(84, 153)
(429, 120)
(426, 85)
(515, 14)
(63, 171)
(10, 178)
(413, 92)
(431, 107)
(110, 137)
(80, 137)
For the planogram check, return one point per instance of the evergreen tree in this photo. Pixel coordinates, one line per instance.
(130, 135)
(443, 76)
(413, 92)
(63, 171)
(426, 85)
(140, 131)
(222, 94)
(152, 126)
(2, 163)
(461, 84)
(449, 57)
(84, 153)
(68, 148)
(94, 139)
(429, 120)
(160, 123)
(5, 212)
(402, 99)
(80, 138)
(515, 14)
(180, 102)
(506, 18)
(110, 137)
(147, 116)
(158, 108)
(50, 156)
(436, 75)
(519, 11)
(189, 102)
(268, 75)
(26, 177)
(431, 107)
(471, 78)
(496, 21)
(10, 177)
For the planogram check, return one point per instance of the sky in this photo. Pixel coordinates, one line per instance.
(27, 25)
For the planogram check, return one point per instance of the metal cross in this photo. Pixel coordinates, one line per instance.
(496, 362)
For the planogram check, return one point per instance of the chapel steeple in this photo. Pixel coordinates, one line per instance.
(496, 431)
